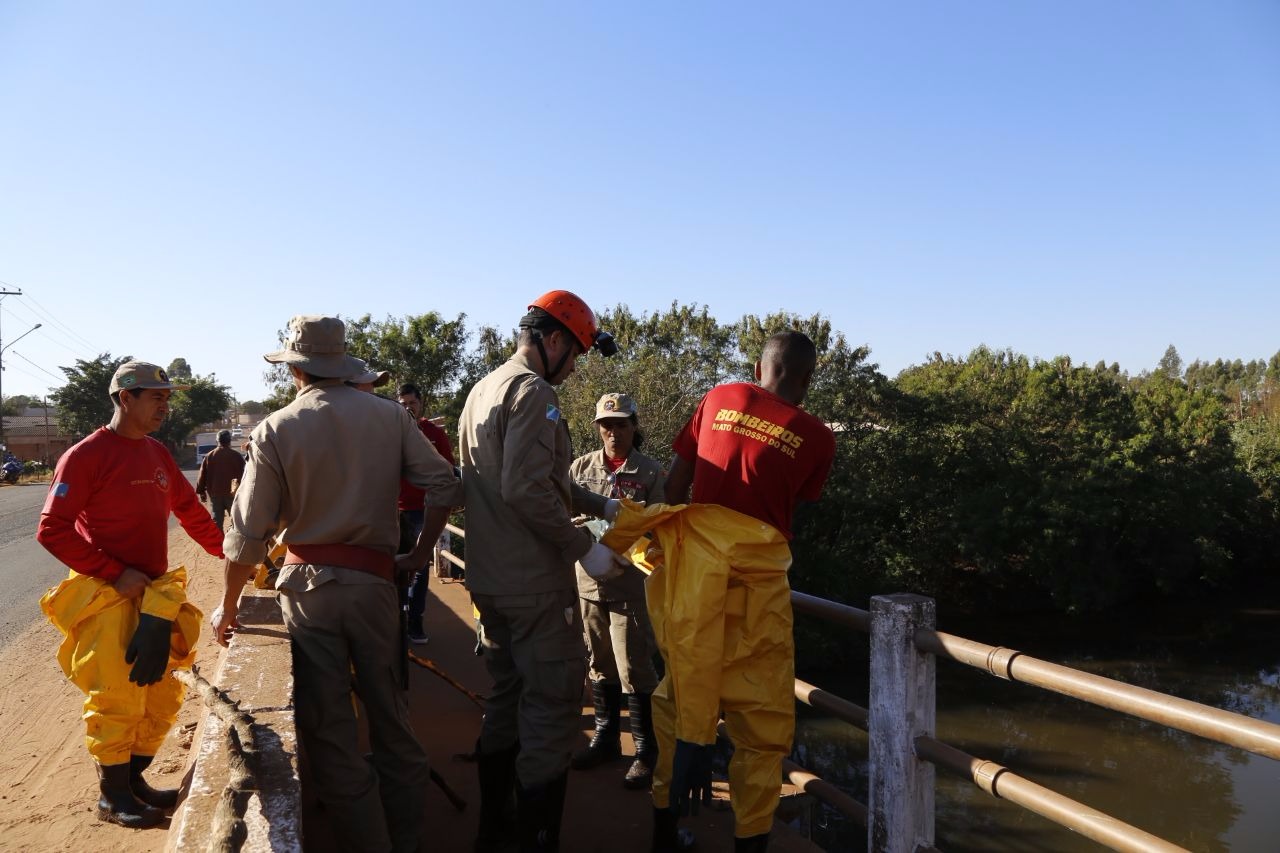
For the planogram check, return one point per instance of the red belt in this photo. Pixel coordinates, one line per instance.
(355, 557)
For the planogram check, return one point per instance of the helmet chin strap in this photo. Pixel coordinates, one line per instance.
(550, 372)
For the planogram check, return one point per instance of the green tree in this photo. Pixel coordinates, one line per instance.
(179, 369)
(425, 349)
(253, 407)
(15, 404)
(666, 361)
(204, 401)
(83, 403)
(1170, 365)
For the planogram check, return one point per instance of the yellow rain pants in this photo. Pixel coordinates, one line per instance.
(121, 718)
(721, 609)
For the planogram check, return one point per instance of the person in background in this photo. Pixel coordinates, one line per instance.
(410, 506)
(619, 636)
(123, 613)
(366, 378)
(218, 471)
(323, 477)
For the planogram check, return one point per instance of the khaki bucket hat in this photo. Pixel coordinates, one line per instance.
(369, 376)
(318, 345)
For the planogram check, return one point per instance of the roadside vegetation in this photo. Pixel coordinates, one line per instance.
(992, 480)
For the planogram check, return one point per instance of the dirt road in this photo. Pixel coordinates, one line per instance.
(48, 787)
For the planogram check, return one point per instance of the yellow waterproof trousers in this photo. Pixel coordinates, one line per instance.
(121, 718)
(721, 609)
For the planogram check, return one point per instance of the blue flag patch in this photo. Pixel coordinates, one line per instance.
(553, 414)
(60, 490)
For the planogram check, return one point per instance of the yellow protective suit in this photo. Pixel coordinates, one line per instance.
(721, 609)
(121, 718)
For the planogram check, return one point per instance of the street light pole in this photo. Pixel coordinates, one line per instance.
(2, 349)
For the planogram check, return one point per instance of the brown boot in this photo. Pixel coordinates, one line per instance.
(118, 804)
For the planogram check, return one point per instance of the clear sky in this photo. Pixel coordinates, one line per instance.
(1095, 179)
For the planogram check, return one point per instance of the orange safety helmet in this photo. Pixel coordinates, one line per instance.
(576, 316)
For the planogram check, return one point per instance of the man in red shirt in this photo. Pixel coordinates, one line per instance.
(410, 505)
(753, 453)
(106, 517)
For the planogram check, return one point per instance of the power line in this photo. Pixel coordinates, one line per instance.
(46, 315)
(52, 338)
(25, 373)
(38, 367)
(52, 319)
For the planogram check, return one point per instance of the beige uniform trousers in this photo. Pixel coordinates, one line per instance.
(620, 639)
(533, 650)
(340, 631)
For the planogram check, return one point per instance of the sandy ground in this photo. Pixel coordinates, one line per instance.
(48, 786)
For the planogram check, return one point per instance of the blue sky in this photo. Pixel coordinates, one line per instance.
(1094, 179)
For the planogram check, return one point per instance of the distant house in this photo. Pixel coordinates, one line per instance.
(35, 435)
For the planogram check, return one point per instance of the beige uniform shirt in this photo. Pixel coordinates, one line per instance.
(640, 478)
(513, 446)
(326, 469)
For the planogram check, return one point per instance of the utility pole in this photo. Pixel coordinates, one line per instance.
(3, 347)
(3, 294)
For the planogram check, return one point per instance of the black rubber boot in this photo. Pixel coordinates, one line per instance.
(667, 836)
(497, 786)
(606, 744)
(640, 774)
(754, 844)
(118, 804)
(540, 809)
(160, 798)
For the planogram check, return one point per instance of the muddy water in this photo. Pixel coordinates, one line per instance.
(1191, 791)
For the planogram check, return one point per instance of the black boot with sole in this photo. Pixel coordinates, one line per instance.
(540, 810)
(606, 743)
(497, 787)
(640, 774)
(160, 798)
(118, 804)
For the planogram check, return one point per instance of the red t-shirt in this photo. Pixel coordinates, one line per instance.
(411, 497)
(109, 505)
(755, 453)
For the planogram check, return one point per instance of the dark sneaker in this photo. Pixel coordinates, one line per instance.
(418, 636)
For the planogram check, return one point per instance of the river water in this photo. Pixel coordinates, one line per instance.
(1193, 792)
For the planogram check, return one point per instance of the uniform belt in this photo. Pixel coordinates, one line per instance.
(355, 557)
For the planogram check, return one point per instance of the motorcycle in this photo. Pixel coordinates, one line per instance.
(11, 470)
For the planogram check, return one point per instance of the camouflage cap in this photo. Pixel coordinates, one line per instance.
(141, 374)
(616, 406)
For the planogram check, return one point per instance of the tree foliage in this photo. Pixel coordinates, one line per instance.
(988, 480)
(179, 369)
(83, 404)
(203, 402)
(15, 404)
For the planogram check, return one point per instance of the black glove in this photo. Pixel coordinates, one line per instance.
(148, 651)
(691, 777)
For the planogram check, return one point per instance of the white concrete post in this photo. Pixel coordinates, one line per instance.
(900, 804)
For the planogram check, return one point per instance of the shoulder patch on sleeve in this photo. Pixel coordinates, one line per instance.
(60, 490)
(553, 413)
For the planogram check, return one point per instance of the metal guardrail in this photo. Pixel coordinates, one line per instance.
(1238, 730)
(1256, 736)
